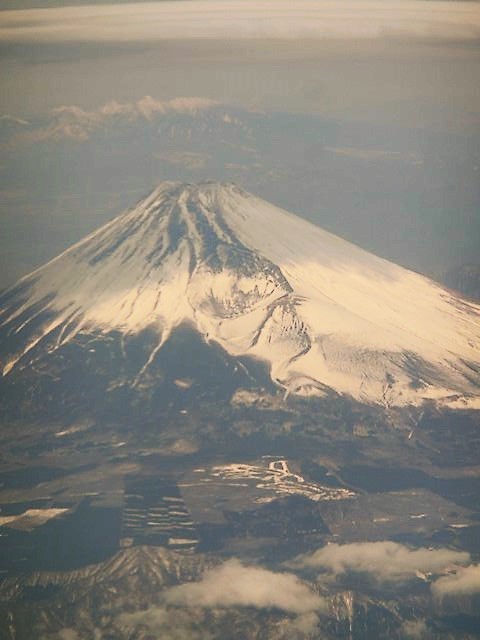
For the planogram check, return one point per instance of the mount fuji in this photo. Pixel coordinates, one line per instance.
(251, 281)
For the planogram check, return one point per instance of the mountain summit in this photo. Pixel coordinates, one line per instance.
(257, 281)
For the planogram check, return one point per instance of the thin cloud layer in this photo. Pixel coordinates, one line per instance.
(208, 19)
(414, 630)
(465, 581)
(385, 561)
(235, 585)
(162, 624)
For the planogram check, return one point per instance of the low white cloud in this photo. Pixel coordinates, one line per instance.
(465, 581)
(147, 22)
(385, 560)
(235, 585)
(175, 623)
(414, 630)
(230, 585)
(66, 634)
(162, 624)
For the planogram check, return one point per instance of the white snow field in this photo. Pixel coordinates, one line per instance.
(325, 314)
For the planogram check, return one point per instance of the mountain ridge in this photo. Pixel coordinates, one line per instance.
(260, 282)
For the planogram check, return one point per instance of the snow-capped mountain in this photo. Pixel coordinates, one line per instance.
(260, 282)
(183, 117)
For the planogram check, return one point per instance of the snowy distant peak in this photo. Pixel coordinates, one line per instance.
(11, 128)
(147, 107)
(76, 123)
(7, 120)
(260, 282)
(181, 118)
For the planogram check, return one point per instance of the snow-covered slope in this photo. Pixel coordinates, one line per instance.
(260, 282)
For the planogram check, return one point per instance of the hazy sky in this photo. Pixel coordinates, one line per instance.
(244, 18)
(414, 63)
